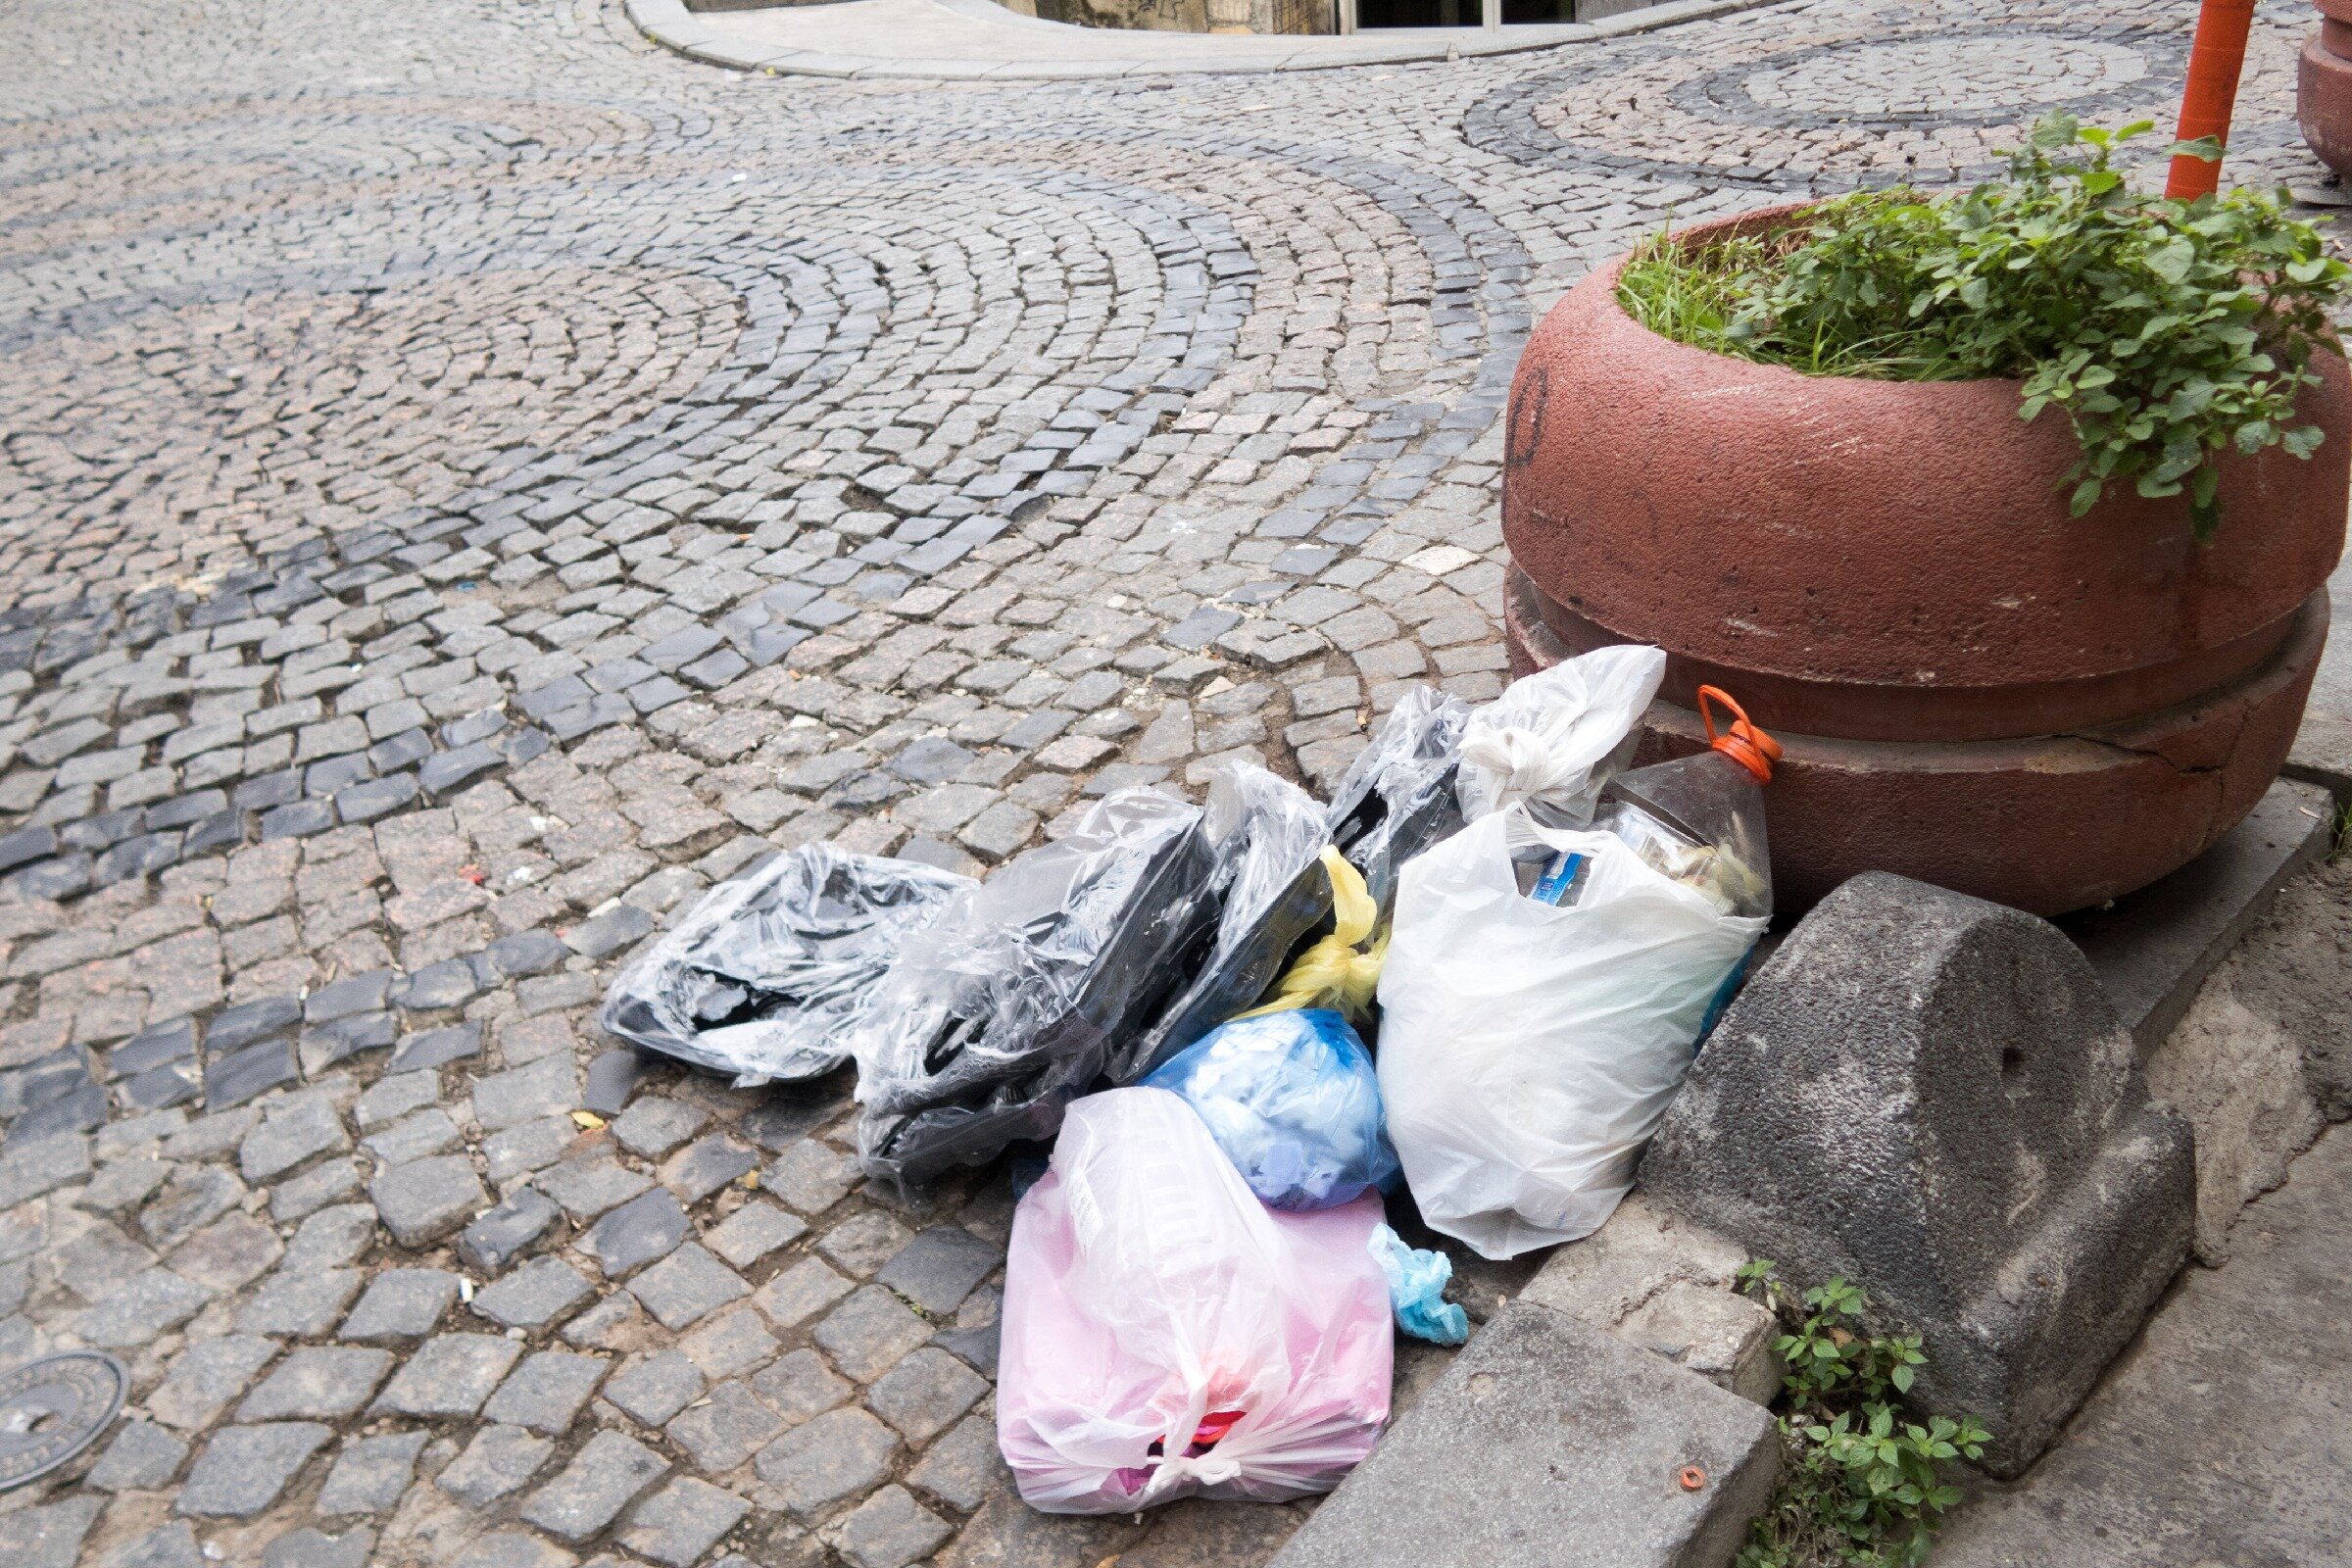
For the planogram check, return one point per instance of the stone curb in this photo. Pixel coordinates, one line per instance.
(2153, 948)
(671, 25)
(1550, 1443)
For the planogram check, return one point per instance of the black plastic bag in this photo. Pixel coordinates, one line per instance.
(998, 1015)
(768, 976)
(1397, 797)
(1272, 892)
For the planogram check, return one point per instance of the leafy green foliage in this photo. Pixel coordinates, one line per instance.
(1861, 1488)
(2166, 332)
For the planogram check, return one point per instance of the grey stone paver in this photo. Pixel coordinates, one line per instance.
(730, 1342)
(428, 1132)
(194, 1198)
(231, 1252)
(752, 1232)
(839, 1455)
(317, 1382)
(687, 1286)
(302, 1303)
(371, 1473)
(589, 1186)
(706, 1166)
(142, 1457)
(403, 619)
(655, 1388)
(722, 1431)
(864, 1242)
(685, 1519)
(654, 1126)
(512, 1549)
(546, 1087)
(889, 1529)
(298, 1130)
(924, 1394)
(402, 1305)
(507, 1229)
(143, 1307)
(48, 1537)
(800, 1292)
(867, 1334)
(962, 1468)
(533, 1294)
(646, 1228)
(242, 1470)
(171, 1546)
(498, 1461)
(312, 1547)
(207, 1378)
(939, 1268)
(425, 1199)
(330, 1238)
(450, 1374)
(801, 1385)
(547, 1391)
(597, 1484)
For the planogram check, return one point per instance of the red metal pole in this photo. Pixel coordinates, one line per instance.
(2213, 63)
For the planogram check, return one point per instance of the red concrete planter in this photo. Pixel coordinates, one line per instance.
(2324, 86)
(1975, 688)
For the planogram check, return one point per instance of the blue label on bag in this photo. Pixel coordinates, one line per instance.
(1557, 878)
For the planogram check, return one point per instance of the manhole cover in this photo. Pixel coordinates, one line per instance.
(53, 1409)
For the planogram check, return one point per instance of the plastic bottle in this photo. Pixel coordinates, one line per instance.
(1698, 819)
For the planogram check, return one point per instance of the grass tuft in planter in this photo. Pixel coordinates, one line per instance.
(2168, 332)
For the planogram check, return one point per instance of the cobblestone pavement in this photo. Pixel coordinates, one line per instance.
(475, 479)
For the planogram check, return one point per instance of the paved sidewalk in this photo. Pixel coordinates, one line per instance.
(2223, 1436)
(475, 478)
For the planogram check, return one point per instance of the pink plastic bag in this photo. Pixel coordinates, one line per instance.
(1166, 1335)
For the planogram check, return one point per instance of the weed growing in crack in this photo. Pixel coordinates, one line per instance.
(1861, 1485)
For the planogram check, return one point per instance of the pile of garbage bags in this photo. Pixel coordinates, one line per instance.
(1479, 975)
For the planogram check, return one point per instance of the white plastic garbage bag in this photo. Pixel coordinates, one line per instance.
(1554, 737)
(1166, 1335)
(1528, 1051)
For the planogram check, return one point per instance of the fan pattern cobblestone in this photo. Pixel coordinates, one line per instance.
(474, 480)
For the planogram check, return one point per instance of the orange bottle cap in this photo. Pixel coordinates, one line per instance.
(1742, 741)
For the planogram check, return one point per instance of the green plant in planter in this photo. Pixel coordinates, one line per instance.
(2167, 332)
(1861, 1488)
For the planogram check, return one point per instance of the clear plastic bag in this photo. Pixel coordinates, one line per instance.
(1004, 1011)
(1528, 1051)
(1165, 1335)
(1397, 797)
(1553, 738)
(1292, 1099)
(1267, 833)
(768, 976)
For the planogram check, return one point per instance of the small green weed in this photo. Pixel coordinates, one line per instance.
(1861, 1488)
(2166, 332)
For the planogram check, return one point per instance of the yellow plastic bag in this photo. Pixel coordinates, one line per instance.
(1334, 973)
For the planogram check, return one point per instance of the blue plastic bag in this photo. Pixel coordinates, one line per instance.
(1417, 1290)
(1295, 1103)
